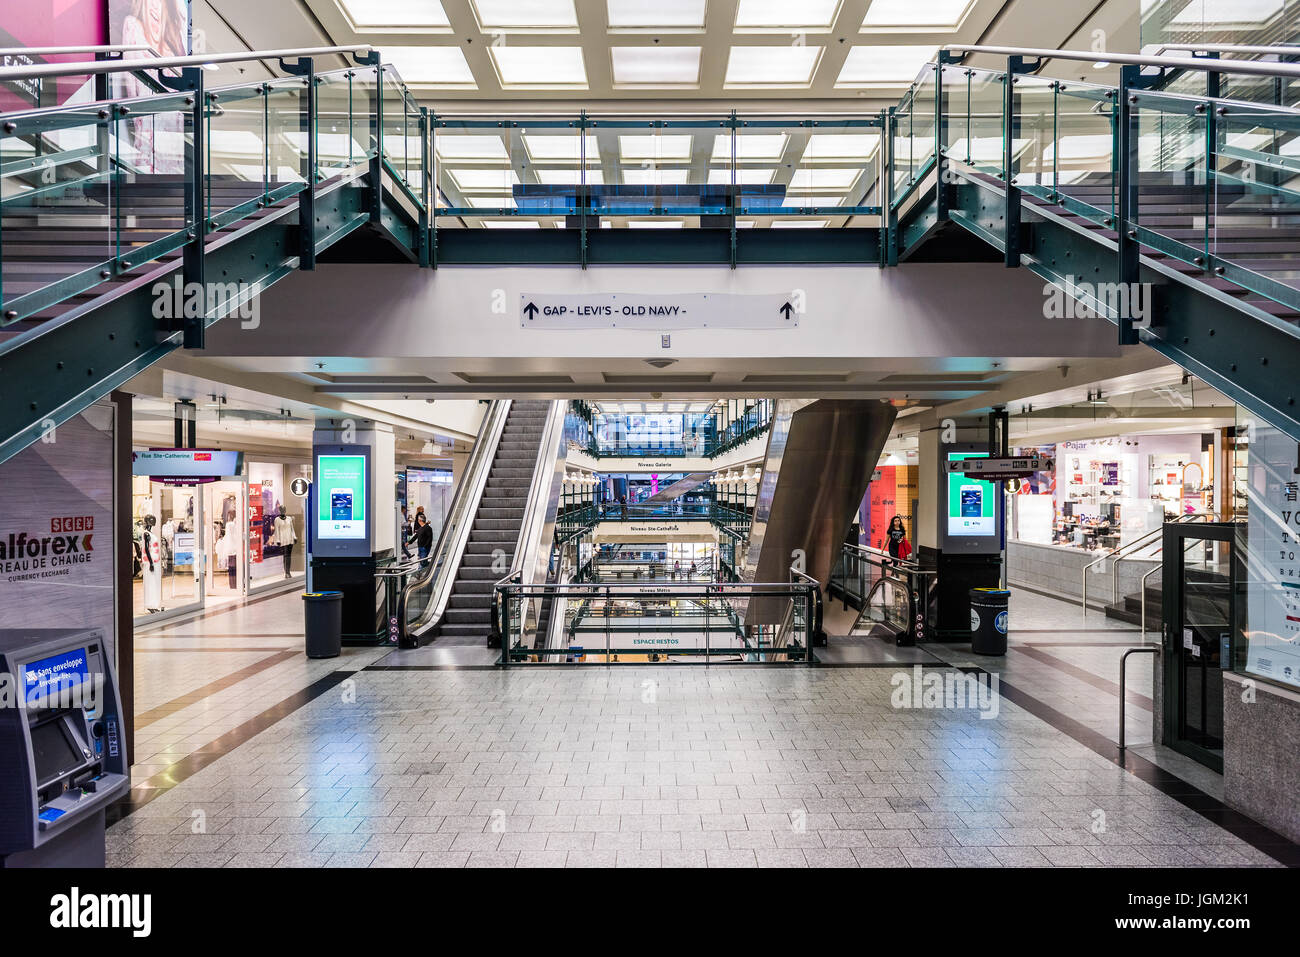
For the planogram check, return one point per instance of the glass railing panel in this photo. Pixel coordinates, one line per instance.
(660, 174)
(499, 174)
(401, 149)
(800, 169)
(56, 167)
(365, 108)
(1082, 158)
(1034, 135)
(981, 149)
(151, 218)
(337, 147)
(1255, 201)
(287, 131)
(1173, 208)
(238, 151)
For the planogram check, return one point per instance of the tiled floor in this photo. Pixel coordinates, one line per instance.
(199, 678)
(725, 766)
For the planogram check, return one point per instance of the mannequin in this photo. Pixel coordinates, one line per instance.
(152, 567)
(283, 534)
(227, 557)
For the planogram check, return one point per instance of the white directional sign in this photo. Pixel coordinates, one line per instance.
(1021, 466)
(702, 310)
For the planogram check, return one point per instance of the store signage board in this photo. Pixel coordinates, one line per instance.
(187, 466)
(996, 470)
(703, 310)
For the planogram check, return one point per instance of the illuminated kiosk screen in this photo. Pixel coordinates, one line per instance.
(972, 502)
(340, 488)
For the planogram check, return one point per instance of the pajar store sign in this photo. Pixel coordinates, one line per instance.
(702, 310)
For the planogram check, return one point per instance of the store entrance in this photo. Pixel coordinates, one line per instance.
(226, 547)
(166, 548)
(1198, 577)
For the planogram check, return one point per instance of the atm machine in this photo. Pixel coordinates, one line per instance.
(62, 751)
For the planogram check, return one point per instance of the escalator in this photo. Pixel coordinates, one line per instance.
(450, 599)
(819, 460)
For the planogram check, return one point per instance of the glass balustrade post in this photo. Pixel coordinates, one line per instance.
(1213, 90)
(192, 266)
(1127, 160)
(425, 198)
(1010, 134)
(308, 126)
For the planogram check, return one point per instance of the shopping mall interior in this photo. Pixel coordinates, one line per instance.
(416, 424)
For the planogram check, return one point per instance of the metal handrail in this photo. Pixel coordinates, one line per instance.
(1284, 50)
(65, 51)
(1116, 554)
(1159, 565)
(509, 587)
(1123, 662)
(1200, 64)
(169, 63)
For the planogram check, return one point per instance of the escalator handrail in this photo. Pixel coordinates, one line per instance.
(444, 560)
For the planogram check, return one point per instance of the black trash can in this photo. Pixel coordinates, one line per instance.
(988, 620)
(323, 623)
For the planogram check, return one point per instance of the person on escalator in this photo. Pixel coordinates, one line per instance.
(422, 536)
(899, 547)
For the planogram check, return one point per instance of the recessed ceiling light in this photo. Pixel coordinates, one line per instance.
(916, 15)
(569, 177)
(750, 147)
(669, 147)
(395, 13)
(525, 14)
(241, 142)
(646, 14)
(843, 179)
(656, 66)
(798, 223)
(813, 201)
(483, 180)
(543, 147)
(772, 66)
(655, 177)
(1221, 13)
(837, 147)
(744, 177)
(654, 224)
(434, 66)
(785, 15)
(489, 202)
(883, 65)
(511, 224)
(560, 67)
(469, 146)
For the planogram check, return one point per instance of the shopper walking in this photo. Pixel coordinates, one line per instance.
(899, 547)
(423, 536)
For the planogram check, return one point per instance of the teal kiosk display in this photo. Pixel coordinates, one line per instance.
(342, 536)
(971, 540)
(63, 754)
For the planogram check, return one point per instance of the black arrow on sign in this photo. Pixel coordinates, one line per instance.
(530, 310)
(786, 310)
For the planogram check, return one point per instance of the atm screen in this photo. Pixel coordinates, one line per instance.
(53, 751)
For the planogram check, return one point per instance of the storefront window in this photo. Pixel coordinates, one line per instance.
(276, 550)
(1268, 604)
(1103, 494)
